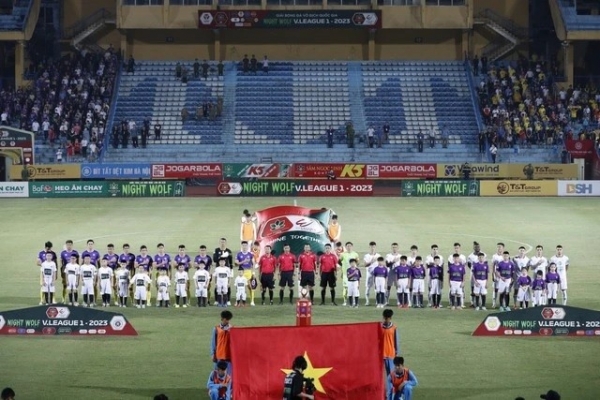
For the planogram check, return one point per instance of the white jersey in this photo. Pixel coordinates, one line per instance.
(461, 259)
(106, 274)
(496, 258)
(521, 262)
(410, 260)
(222, 274)
(162, 283)
(393, 259)
(240, 284)
(48, 270)
(72, 273)
(473, 258)
(181, 279)
(141, 279)
(430, 261)
(122, 275)
(561, 265)
(370, 262)
(539, 264)
(88, 273)
(201, 278)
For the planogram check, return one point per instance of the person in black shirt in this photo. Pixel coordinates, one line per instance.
(245, 63)
(293, 387)
(330, 133)
(196, 68)
(220, 68)
(157, 130)
(224, 251)
(205, 67)
(253, 64)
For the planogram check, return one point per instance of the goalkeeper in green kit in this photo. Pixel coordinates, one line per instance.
(344, 258)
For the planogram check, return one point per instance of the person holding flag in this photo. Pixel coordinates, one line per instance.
(219, 383)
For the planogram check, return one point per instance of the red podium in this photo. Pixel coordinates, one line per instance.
(303, 312)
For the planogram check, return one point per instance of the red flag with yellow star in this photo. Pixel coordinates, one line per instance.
(345, 361)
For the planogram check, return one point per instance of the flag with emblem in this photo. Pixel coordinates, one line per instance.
(345, 361)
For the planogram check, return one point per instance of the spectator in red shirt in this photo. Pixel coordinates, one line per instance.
(308, 266)
(286, 263)
(266, 264)
(328, 265)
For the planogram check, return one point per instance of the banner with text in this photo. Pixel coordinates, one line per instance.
(116, 171)
(579, 188)
(14, 189)
(434, 188)
(509, 171)
(580, 148)
(364, 171)
(186, 171)
(518, 188)
(68, 189)
(146, 189)
(315, 188)
(47, 171)
(250, 171)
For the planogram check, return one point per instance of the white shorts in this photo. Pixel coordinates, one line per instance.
(222, 286)
(240, 294)
(72, 282)
(87, 287)
(552, 290)
(538, 297)
(369, 281)
(418, 286)
(201, 291)
(48, 287)
(380, 284)
(455, 288)
(105, 287)
(181, 290)
(353, 289)
(504, 285)
(563, 282)
(123, 289)
(481, 289)
(140, 293)
(523, 294)
(402, 285)
(162, 294)
(434, 287)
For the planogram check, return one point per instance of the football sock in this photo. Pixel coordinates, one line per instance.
(70, 297)
(149, 296)
(64, 293)
(271, 295)
(85, 298)
(108, 299)
(184, 300)
(281, 295)
(228, 296)
(92, 298)
(263, 295)
(452, 300)
(199, 299)
(332, 295)
(167, 303)
(421, 299)
(345, 293)
(521, 304)
(291, 295)
(216, 295)
(406, 299)
(160, 303)
(399, 299)
(76, 297)
(144, 302)
(177, 298)
(252, 293)
(41, 296)
(564, 296)
(356, 301)
(483, 296)
(139, 302)
(322, 295)
(526, 304)
(312, 295)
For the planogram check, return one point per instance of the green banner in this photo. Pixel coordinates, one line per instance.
(68, 189)
(146, 189)
(440, 188)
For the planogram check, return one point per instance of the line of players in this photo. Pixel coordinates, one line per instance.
(408, 274)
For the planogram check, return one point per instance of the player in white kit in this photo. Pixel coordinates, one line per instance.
(429, 262)
(462, 260)
(496, 258)
(240, 289)
(87, 271)
(392, 260)
(140, 280)
(562, 265)
(202, 281)
(222, 274)
(181, 282)
(370, 260)
(48, 279)
(106, 282)
(72, 277)
(163, 283)
(472, 259)
(122, 276)
(521, 261)
(539, 262)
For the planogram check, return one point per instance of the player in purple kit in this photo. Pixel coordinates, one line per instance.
(162, 261)
(523, 284)
(480, 272)
(112, 261)
(552, 283)
(418, 274)
(380, 273)
(93, 253)
(65, 258)
(456, 274)
(244, 259)
(435, 281)
(402, 272)
(538, 287)
(504, 273)
(128, 258)
(183, 259)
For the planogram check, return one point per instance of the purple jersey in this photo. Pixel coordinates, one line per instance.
(245, 259)
(207, 260)
(128, 258)
(538, 284)
(162, 261)
(402, 271)
(144, 261)
(380, 271)
(552, 277)
(505, 269)
(184, 260)
(481, 271)
(456, 272)
(353, 274)
(65, 256)
(435, 271)
(112, 260)
(42, 255)
(94, 256)
(418, 272)
(523, 281)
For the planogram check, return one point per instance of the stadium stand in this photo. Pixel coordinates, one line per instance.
(573, 20)
(15, 20)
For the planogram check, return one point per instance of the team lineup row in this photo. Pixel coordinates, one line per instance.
(409, 274)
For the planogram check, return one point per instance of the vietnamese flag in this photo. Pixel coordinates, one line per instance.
(345, 361)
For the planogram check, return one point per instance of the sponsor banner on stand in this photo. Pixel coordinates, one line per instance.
(315, 188)
(580, 148)
(249, 171)
(116, 171)
(68, 189)
(438, 188)
(186, 171)
(14, 189)
(509, 171)
(363, 171)
(518, 188)
(146, 189)
(579, 188)
(46, 171)
(478, 171)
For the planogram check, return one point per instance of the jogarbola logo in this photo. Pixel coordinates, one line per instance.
(503, 188)
(277, 225)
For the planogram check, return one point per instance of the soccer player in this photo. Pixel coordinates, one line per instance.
(202, 281)
(220, 349)
(538, 287)
(65, 258)
(247, 229)
(401, 381)
(521, 261)
(380, 274)
(48, 279)
(552, 283)
(71, 272)
(354, 276)
(219, 380)
(436, 269)
(244, 259)
(472, 259)
(539, 262)
(390, 340)
(112, 260)
(344, 260)
(523, 284)
(504, 274)
(462, 260)
(222, 274)
(240, 289)
(496, 258)
(88, 277)
(285, 264)
(142, 281)
(417, 275)
(128, 258)
(181, 285)
(480, 272)
(308, 265)
(42, 258)
(145, 261)
(122, 277)
(370, 260)
(203, 258)
(334, 229)
(162, 260)
(456, 274)
(93, 253)
(392, 260)
(429, 262)
(266, 267)
(402, 272)
(224, 251)
(162, 289)
(106, 282)
(327, 268)
(183, 259)
(562, 266)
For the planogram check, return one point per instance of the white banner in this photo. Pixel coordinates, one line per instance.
(579, 188)
(14, 189)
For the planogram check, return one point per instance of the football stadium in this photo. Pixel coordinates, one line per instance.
(299, 199)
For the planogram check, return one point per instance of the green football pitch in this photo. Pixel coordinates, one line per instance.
(171, 353)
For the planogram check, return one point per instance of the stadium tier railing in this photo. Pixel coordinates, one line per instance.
(476, 106)
(113, 108)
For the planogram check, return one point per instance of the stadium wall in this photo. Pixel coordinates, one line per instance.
(77, 10)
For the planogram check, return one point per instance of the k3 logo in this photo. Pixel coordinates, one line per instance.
(353, 171)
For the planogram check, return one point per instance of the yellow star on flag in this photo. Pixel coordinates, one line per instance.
(312, 372)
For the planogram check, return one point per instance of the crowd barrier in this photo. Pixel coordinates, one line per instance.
(86, 189)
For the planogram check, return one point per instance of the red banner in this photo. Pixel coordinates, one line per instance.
(364, 171)
(185, 171)
(262, 357)
(580, 148)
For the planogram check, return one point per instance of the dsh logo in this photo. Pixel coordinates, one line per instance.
(579, 188)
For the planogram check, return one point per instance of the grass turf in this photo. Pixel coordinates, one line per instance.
(171, 353)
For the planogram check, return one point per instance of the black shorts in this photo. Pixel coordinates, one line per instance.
(287, 279)
(328, 278)
(307, 278)
(266, 281)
